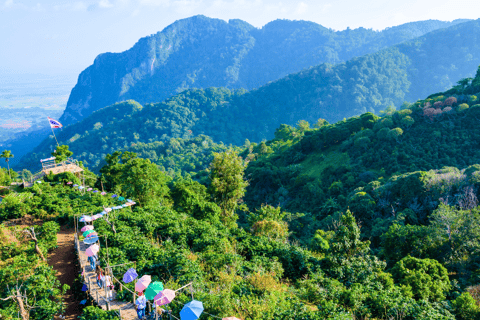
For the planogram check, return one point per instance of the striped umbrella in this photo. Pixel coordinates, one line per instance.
(86, 228)
(164, 297)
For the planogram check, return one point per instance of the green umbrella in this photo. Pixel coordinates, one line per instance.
(153, 289)
(86, 233)
(121, 198)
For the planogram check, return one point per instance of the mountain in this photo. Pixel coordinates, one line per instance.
(200, 52)
(366, 84)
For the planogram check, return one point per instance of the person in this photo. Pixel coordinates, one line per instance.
(92, 261)
(100, 276)
(140, 305)
(109, 285)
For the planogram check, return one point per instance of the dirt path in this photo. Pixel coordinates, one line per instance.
(63, 260)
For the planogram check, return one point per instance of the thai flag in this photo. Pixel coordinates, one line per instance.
(54, 123)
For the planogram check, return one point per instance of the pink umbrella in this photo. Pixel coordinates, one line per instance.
(231, 318)
(108, 209)
(103, 193)
(69, 182)
(164, 297)
(86, 228)
(89, 189)
(92, 250)
(91, 235)
(143, 283)
(96, 216)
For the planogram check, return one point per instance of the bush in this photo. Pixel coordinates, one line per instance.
(466, 307)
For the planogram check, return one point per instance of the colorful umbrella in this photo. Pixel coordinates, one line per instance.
(96, 216)
(143, 283)
(191, 310)
(153, 289)
(87, 232)
(75, 185)
(84, 287)
(86, 228)
(130, 275)
(89, 189)
(94, 191)
(69, 182)
(81, 187)
(114, 196)
(103, 193)
(93, 234)
(129, 200)
(231, 318)
(164, 297)
(92, 250)
(85, 219)
(108, 209)
(90, 240)
(121, 198)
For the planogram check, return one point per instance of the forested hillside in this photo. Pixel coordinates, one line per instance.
(200, 52)
(372, 217)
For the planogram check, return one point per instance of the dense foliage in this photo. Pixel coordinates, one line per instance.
(372, 217)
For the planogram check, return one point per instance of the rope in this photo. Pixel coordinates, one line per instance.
(211, 315)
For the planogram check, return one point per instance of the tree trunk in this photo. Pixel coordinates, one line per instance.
(37, 248)
(8, 166)
(23, 313)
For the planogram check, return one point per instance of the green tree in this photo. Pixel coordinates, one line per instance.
(427, 278)
(227, 185)
(143, 181)
(62, 153)
(7, 154)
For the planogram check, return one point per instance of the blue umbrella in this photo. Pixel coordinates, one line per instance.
(84, 288)
(130, 275)
(90, 240)
(192, 310)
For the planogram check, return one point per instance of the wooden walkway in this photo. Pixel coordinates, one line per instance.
(125, 310)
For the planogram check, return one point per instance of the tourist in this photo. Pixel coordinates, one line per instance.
(108, 285)
(141, 304)
(92, 261)
(100, 276)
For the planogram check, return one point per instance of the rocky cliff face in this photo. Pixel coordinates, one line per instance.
(200, 52)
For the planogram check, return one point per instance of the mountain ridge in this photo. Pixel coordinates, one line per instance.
(202, 52)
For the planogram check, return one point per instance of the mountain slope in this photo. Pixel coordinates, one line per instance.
(201, 52)
(412, 159)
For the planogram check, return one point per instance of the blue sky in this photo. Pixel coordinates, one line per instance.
(64, 37)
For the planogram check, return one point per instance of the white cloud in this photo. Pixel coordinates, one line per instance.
(326, 7)
(79, 6)
(8, 4)
(105, 4)
(301, 8)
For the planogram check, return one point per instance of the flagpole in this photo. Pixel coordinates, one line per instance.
(53, 131)
(54, 136)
